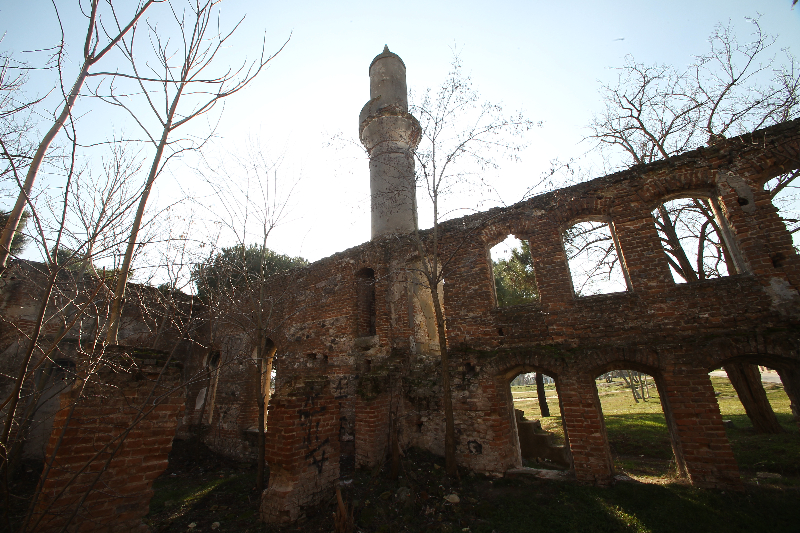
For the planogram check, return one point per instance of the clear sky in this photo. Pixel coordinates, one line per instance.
(544, 58)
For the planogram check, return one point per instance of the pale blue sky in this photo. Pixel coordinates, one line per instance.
(544, 58)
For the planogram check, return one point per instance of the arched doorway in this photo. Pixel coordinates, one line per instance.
(535, 412)
(640, 439)
(757, 396)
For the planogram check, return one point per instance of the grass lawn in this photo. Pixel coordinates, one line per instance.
(639, 439)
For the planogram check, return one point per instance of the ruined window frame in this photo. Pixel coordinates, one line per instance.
(489, 246)
(725, 233)
(609, 222)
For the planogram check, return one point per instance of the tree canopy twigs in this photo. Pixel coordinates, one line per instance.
(91, 55)
(176, 81)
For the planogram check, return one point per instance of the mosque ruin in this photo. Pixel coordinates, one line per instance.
(355, 352)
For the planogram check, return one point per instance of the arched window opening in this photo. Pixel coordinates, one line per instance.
(635, 424)
(594, 259)
(266, 378)
(692, 240)
(365, 296)
(537, 415)
(784, 191)
(514, 276)
(213, 369)
(756, 408)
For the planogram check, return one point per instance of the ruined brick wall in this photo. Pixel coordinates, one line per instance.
(304, 455)
(110, 441)
(656, 323)
(353, 367)
(150, 320)
(675, 332)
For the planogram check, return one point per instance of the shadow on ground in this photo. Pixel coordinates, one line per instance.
(201, 493)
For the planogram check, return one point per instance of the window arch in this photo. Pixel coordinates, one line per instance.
(594, 258)
(513, 273)
(784, 192)
(693, 239)
(365, 303)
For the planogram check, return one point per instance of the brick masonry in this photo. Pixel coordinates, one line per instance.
(304, 455)
(675, 332)
(356, 357)
(110, 441)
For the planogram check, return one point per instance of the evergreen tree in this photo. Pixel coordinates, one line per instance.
(514, 278)
(20, 240)
(237, 267)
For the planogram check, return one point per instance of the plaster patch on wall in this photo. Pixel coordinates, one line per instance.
(743, 190)
(201, 399)
(782, 293)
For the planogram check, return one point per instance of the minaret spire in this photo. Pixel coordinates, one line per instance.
(390, 135)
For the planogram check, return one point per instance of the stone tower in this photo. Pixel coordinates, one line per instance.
(390, 135)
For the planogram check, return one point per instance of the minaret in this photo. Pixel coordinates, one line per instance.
(390, 135)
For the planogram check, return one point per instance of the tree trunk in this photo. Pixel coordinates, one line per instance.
(746, 379)
(676, 249)
(641, 386)
(449, 425)
(540, 392)
(16, 213)
(263, 402)
(790, 377)
(394, 444)
(632, 385)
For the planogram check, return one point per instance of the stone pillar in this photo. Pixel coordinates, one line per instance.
(699, 441)
(113, 445)
(552, 271)
(585, 429)
(390, 135)
(302, 449)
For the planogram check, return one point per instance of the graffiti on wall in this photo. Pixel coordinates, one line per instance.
(310, 419)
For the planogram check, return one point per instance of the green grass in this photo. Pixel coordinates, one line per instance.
(203, 499)
(525, 399)
(639, 439)
(760, 453)
(634, 507)
(526, 504)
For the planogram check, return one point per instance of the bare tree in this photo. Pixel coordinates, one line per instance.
(100, 39)
(657, 111)
(182, 75)
(69, 300)
(234, 281)
(692, 239)
(463, 136)
(63, 296)
(593, 259)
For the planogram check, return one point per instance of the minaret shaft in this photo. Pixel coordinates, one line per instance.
(390, 135)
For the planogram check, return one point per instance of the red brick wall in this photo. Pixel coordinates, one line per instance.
(108, 450)
(694, 414)
(679, 332)
(302, 449)
(372, 430)
(676, 332)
